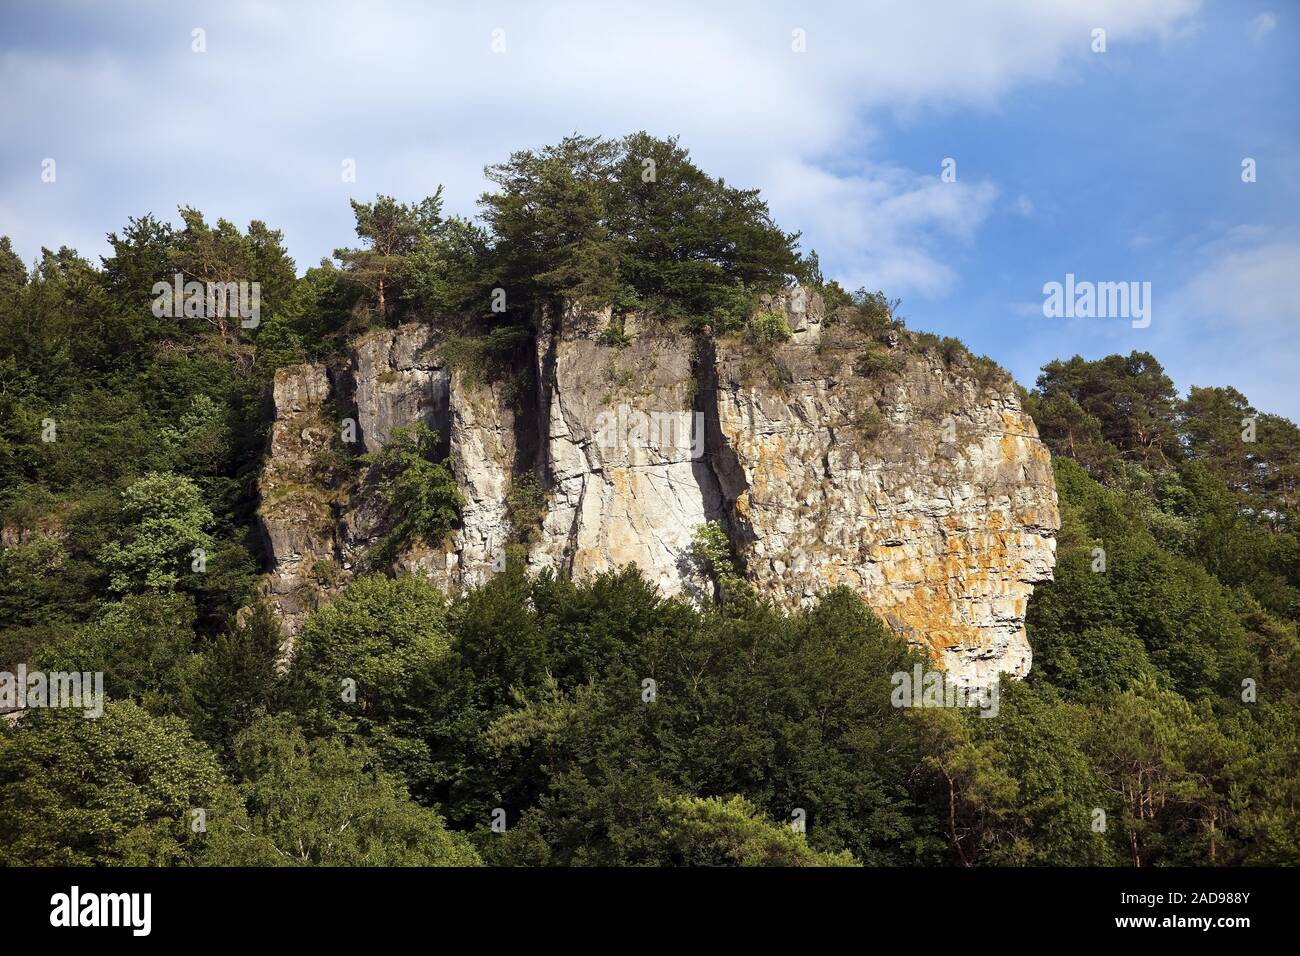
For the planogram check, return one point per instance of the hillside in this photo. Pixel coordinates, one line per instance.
(609, 517)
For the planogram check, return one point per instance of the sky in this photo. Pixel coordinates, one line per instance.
(1114, 165)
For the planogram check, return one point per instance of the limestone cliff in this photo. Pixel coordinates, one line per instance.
(919, 486)
(627, 483)
(903, 470)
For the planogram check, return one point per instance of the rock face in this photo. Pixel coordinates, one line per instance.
(624, 449)
(397, 380)
(483, 449)
(879, 463)
(296, 514)
(923, 491)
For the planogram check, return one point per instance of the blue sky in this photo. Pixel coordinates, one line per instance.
(1115, 166)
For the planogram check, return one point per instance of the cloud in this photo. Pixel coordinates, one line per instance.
(258, 126)
(1234, 321)
(1259, 27)
(883, 225)
(1248, 287)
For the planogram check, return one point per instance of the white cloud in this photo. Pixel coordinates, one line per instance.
(1259, 27)
(258, 125)
(1248, 287)
(1234, 321)
(883, 225)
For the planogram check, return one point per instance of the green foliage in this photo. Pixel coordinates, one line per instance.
(614, 726)
(387, 636)
(13, 273)
(873, 361)
(323, 803)
(869, 424)
(633, 222)
(422, 496)
(1130, 399)
(767, 329)
(707, 831)
(94, 792)
(1070, 431)
(164, 518)
(200, 442)
(869, 314)
(143, 644)
(1173, 608)
(549, 216)
(40, 583)
(794, 712)
(400, 242)
(448, 271)
(712, 548)
(526, 506)
(1015, 789)
(235, 679)
(1216, 424)
(484, 357)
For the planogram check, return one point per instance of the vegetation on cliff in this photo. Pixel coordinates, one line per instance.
(607, 724)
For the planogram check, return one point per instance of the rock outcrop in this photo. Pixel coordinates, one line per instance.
(297, 517)
(902, 470)
(924, 490)
(397, 379)
(623, 447)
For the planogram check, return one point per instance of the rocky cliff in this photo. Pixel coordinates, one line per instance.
(902, 469)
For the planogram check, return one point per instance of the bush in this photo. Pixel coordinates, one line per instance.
(526, 506)
(768, 328)
(876, 361)
(423, 499)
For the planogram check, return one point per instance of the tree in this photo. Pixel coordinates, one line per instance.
(1138, 742)
(144, 646)
(323, 803)
(549, 220)
(106, 791)
(1070, 431)
(1213, 421)
(450, 271)
(40, 582)
(785, 712)
(384, 640)
(733, 832)
(165, 518)
(1256, 455)
(221, 254)
(236, 678)
(422, 496)
(200, 441)
(712, 548)
(634, 223)
(690, 241)
(1131, 398)
(390, 232)
(13, 274)
(976, 786)
(143, 254)
(1175, 608)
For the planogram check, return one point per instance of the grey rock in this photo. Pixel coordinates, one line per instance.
(398, 379)
(916, 481)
